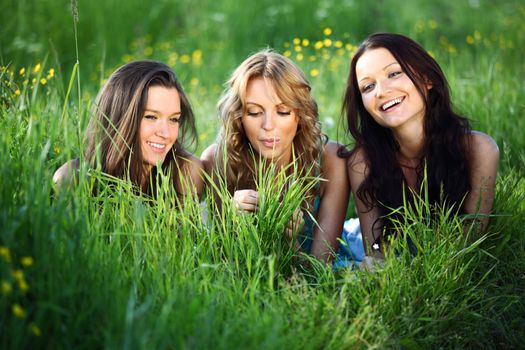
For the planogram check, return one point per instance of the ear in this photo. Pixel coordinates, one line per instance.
(428, 83)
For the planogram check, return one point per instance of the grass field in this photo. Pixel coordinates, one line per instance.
(119, 271)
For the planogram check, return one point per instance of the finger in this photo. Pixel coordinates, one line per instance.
(243, 206)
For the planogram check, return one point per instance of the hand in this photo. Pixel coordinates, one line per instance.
(371, 264)
(246, 200)
(295, 224)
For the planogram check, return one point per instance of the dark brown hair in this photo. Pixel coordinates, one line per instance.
(445, 143)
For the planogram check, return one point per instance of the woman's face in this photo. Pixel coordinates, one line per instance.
(159, 127)
(269, 124)
(387, 92)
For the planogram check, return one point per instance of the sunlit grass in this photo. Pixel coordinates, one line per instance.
(118, 269)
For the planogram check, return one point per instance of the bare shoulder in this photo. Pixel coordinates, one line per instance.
(482, 143)
(482, 148)
(330, 151)
(66, 173)
(208, 156)
(192, 163)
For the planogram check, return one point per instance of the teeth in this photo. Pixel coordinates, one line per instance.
(156, 145)
(390, 104)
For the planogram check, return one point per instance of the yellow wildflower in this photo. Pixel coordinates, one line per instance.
(194, 81)
(26, 261)
(299, 57)
(18, 311)
(127, 58)
(314, 72)
(23, 286)
(196, 57)
(148, 51)
(298, 48)
(50, 73)
(296, 41)
(172, 58)
(318, 45)
(327, 31)
(43, 81)
(35, 330)
(6, 287)
(305, 42)
(470, 39)
(432, 24)
(477, 35)
(312, 58)
(340, 52)
(17, 274)
(5, 253)
(287, 53)
(327, 42)
(185, 58)
(33, 81)
(37, 68)
(286, 44)
(22, 71)
(338, 44)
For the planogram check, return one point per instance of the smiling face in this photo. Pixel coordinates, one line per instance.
(388, 94)
(269, 124)
(159, 127)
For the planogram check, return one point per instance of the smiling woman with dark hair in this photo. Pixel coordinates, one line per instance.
(398, 109)
(140, 120)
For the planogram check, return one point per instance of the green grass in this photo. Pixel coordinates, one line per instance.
(117, 270)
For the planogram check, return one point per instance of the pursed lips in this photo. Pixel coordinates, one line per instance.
(269, 141)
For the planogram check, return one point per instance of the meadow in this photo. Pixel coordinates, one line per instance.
(117, 270)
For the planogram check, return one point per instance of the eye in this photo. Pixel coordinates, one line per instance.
(395, 74)
(175, 120)
(150, 116)
(367, 87)
(254, 113)
(284, 113)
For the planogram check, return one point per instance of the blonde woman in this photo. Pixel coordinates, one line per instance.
(268, 112)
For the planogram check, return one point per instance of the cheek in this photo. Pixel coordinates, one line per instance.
(250, 128)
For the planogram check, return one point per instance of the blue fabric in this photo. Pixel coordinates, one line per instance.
(350, 252)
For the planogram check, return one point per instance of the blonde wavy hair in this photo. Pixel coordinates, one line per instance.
(235, 159)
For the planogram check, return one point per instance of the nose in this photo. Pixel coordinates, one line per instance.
(382, 87)
(162, 128)
(268, 121)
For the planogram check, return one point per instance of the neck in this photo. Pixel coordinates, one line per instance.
(411, 143)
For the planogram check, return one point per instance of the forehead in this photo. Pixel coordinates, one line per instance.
(261, 90)
(372, 62)
(163, 96)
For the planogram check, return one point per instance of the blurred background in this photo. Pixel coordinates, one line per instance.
(478, 43)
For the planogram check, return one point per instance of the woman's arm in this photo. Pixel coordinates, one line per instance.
(357, 172)
(334, 202)
(208, 158)
(483, 156)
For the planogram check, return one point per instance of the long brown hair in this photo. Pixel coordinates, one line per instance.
(113, 133)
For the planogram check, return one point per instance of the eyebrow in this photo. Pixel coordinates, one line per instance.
(384, 68)
(258, 105)
(157, 112)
